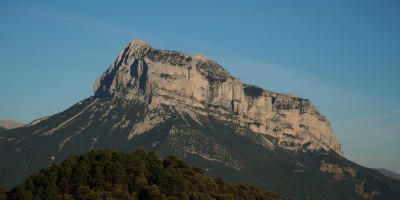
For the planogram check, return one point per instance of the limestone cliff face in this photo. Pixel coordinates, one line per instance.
(201, 86)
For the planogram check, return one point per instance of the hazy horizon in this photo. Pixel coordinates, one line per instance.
(342, 55)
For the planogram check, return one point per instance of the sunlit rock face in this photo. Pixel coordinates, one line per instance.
(199, 86)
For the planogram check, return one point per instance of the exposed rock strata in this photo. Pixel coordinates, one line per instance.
(202, 86)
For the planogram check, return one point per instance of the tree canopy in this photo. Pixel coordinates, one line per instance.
(108, 174)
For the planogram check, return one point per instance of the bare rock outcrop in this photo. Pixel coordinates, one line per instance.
(201, 85)
(10, 124)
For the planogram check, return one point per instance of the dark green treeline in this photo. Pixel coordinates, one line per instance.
(108, 174)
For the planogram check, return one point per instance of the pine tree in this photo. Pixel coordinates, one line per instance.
(107, 174)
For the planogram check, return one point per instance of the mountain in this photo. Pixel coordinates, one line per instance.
(2, 128)
(134, 175)
(199, 86)
(189, 106)
(389, 173)
(10, 124)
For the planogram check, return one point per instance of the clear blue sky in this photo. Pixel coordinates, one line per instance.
(343, 55)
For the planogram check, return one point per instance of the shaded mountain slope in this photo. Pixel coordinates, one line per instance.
(2, 128)
(389, 173)
(190, 107)
(215, 146)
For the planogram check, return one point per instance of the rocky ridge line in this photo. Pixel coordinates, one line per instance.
(200, 85)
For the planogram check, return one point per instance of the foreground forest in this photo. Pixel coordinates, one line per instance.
(108, 174)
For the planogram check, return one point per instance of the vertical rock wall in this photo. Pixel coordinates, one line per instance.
(173, 78)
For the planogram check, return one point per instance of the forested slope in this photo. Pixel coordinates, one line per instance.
(108, 174)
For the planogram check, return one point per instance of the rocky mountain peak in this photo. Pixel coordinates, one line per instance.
(201, 57)
(138, 43)
(135, 49)
(10, 124)
(139, 46)
(200, 86)
(189, 106)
